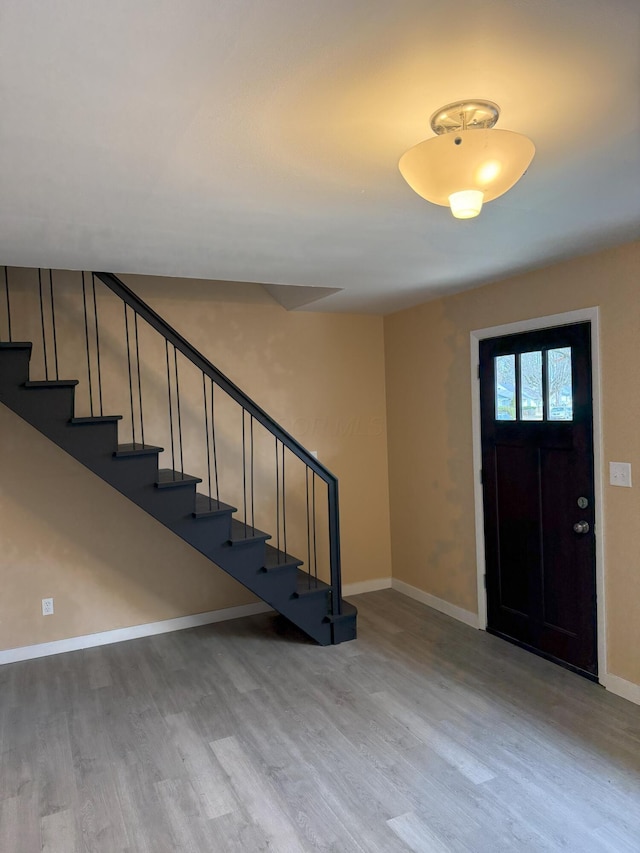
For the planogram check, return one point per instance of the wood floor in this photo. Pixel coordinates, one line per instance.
(422, 735)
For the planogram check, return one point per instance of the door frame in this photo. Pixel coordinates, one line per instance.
(590, 315)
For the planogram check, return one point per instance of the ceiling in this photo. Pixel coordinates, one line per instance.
(252, 141)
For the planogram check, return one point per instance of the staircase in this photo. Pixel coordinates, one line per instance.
(303, 589)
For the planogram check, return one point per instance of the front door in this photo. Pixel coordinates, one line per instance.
(538, 487)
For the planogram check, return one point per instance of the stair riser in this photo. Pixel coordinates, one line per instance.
(166, 505)
(344, 631)
(41, 407)
(93, 451)
(206, 534)
(243, 563)
(312, 603)
(87, 443)
(14, 368)
(134, 472)
(280, 590)
(134, 477)
(289, 572)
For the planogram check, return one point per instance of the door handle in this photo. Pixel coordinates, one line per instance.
(581, 527)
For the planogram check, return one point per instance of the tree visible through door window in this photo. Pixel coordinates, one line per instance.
(505, 387)
(560, 391)
(534, 386)
(531, 396)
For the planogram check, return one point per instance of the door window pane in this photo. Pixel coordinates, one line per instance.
(505, 387)
(531, 401)
(560, 391)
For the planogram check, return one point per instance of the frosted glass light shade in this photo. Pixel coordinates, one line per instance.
(490, 161)
(466, 204)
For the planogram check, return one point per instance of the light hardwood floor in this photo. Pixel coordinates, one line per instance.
(422, 735)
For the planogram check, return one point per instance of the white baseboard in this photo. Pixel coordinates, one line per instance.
(118, 635)
(621, 687)
(613, 683)
(440, 604)
(366, 586)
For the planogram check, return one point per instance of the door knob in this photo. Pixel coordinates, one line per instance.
(581, 527)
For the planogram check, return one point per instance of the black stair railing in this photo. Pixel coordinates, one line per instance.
(83, 307)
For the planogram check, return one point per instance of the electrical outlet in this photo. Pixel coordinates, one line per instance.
(47, 606)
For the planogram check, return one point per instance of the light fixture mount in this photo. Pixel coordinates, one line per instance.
(468, 162)
(465, 115)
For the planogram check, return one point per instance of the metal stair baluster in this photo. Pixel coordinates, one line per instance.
(97, 325)
(206, 434)
(53, 324)
(126, 332)
(6, 290)
(86, 336)
(44, 340)
(135, 321)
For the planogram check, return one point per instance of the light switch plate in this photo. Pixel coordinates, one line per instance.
(620, 474)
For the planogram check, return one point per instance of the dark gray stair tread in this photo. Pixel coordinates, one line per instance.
(244, 534)
(15, 345)
(97, 419)
(52, 383)
(169, 479)
(206, 507)
(136, 449)
(348, 612)
(309, 586)
(276, 560)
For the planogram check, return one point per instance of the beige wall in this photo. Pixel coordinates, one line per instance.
(66, 534)
(430, 437)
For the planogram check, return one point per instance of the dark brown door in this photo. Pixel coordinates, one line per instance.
(537, 469)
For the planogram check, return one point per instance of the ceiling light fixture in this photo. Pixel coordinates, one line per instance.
(467, 163)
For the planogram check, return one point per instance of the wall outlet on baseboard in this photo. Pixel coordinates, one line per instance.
(47, 606)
